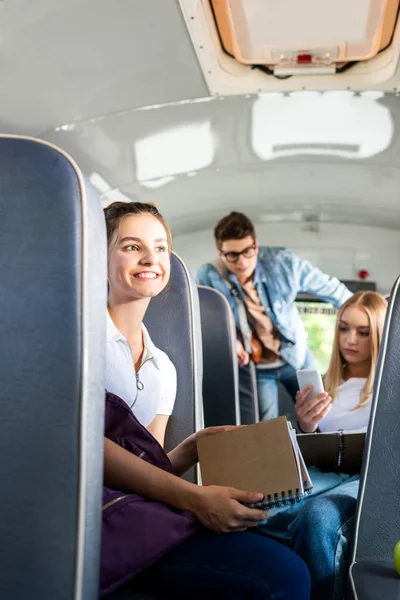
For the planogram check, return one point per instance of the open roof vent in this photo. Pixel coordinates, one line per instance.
(250, 46)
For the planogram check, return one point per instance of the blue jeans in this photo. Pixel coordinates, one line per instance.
(238, 566)
(320, 530)
(267, 386)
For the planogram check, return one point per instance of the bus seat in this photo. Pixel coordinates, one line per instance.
(220, 366)
(173, 321)
(248, 396)
(52, 323)
(377, 523)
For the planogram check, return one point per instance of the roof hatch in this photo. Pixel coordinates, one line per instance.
(292, 35)
(250, 46)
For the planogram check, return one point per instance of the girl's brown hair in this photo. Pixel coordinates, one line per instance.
(375, 306)
(116, 211)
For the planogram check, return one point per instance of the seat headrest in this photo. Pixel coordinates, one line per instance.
(52, 323)
(173, 321)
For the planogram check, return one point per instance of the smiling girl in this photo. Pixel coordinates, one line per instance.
(139, 247)
(207, 564)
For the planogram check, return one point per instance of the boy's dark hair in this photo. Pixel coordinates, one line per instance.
(234, 226)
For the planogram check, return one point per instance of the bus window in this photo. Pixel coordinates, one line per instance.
(319, 321)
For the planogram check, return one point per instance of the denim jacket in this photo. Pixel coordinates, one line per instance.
(278, 277)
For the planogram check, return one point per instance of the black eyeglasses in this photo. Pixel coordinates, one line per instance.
(233, 257)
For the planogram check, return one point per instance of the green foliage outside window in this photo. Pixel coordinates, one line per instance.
(319, 321)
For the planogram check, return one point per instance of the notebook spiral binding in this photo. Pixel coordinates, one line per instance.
(283, 499)
(341, 448)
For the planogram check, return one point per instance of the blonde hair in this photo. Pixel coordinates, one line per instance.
(375, 306)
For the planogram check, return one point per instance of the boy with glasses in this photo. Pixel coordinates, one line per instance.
(261, 285)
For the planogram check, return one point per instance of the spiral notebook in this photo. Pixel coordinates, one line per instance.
(336, 451)
(261, 458)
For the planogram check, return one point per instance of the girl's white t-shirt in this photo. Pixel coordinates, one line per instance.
(341, 415)
(152, 390)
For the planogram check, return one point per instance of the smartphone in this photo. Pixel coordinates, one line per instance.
(312, 377)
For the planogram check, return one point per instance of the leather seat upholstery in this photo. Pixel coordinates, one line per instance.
(52, 323)
(220, 366)
(173, 321)
(377, 525)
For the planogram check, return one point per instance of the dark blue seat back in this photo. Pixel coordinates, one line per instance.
(220, 365)
(173, 321)
(52, 323)
(377, 523)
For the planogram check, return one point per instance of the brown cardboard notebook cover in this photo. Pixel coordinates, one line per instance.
(256, 458)
(336, 451)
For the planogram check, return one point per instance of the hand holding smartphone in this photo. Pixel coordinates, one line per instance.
(307, 377)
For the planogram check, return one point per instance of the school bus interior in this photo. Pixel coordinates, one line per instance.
(145, 100)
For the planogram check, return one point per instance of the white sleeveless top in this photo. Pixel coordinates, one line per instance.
(341, 415)
(152, 390)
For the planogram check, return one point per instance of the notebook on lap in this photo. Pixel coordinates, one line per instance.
(264, 457)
